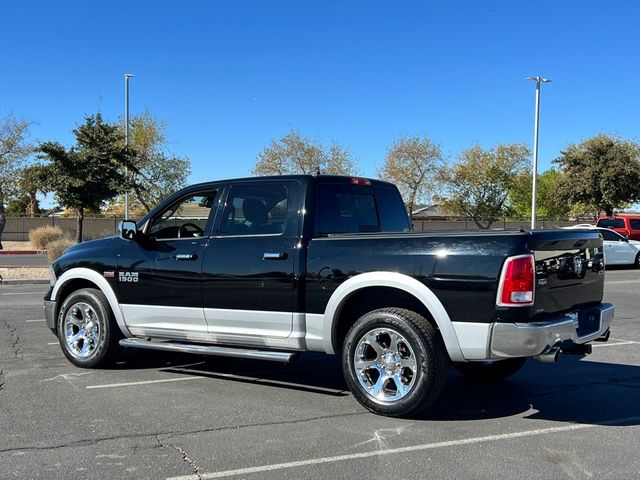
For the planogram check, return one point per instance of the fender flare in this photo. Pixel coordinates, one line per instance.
(392, 280)
(97, 279)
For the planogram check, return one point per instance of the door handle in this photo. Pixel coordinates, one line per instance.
(275, 256)
(186, 256)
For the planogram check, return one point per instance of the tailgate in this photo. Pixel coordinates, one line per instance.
(569, 270)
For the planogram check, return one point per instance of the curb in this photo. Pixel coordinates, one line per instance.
(22, 252)
(25, 281)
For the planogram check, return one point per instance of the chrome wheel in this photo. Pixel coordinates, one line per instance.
(385, 365)
(81, 330)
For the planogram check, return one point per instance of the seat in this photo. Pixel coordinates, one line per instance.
(256, 213)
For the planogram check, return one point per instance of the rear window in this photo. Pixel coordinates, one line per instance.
(344, 208)
(634, 223)
(611, 223)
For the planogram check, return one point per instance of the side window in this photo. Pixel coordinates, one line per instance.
(611, 223)
(255, 210)
(609, 235)
(186, 218)
(634, 224)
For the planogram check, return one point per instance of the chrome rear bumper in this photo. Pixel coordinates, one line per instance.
(526, 340)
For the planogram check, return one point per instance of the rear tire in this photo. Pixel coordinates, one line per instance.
(490, 372)
(636, 264)
(394, 362)
(87, 330)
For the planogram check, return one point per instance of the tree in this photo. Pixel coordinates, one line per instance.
(33, 180)
(89, 173)
(412, 164)
(18, 206)
(478, 185)
(548, 203)
(158, 173)
(14, 150)
(295, 154)
(603, 171)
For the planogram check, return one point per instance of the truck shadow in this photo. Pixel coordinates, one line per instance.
(572, 390)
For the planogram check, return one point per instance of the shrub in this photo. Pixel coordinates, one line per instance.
(56, 248)
(40, 237)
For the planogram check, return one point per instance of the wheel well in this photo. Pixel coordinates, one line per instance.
(372, 298)
(68, 288)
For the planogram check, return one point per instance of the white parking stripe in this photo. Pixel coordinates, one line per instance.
(623, 340)
(35, 320)
(614, 344)
(394, 451)
(146, 382)
(21, 293)
(213, 376)
(53, 343)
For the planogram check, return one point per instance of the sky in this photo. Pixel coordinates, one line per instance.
(228, 77)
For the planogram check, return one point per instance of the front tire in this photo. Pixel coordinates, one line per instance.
(87, 330)
(490, 372)
(636, 264)
(394, 362)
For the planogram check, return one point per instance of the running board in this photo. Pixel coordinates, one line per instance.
(273, 356)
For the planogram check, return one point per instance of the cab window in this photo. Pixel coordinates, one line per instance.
(186, 218)
(255, 210)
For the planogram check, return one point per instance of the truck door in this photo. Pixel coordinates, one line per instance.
(248, 270)
(159, 279)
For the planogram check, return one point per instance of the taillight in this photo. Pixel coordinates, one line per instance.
(360, 181)
(517, 282)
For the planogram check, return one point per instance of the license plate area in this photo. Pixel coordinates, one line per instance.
(588, 322)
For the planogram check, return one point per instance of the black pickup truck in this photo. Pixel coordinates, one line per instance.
(268, 267)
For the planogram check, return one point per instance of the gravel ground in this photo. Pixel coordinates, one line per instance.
(11, 245)
(24, 273)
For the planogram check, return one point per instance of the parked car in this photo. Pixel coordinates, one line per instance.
(627, 225)
(267, 267)
(618, 249)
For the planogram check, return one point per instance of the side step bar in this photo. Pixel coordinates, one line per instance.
(273, 356)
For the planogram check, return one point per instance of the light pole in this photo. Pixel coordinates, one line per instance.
(538, 80)
(127, 76)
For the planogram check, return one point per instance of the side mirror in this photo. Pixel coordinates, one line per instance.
(128, 230)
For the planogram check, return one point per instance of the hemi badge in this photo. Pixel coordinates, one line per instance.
(109, 274)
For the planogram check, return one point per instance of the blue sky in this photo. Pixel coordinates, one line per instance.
(229, 76)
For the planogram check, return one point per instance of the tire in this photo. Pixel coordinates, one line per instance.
(636, 264)
(490, 372)
(87, 330)
(394, 362)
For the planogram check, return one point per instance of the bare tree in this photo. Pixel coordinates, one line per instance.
(412, 164)
(295, 154)
(14, 150)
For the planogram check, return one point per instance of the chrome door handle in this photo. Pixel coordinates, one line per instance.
(186, 256)
(275, 256)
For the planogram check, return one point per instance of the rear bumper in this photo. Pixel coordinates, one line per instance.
(526, 340)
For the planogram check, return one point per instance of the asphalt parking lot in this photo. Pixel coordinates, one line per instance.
(168, 416)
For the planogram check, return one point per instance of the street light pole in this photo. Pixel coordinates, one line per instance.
(127, 76)
(534, 186)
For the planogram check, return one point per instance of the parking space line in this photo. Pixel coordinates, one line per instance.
(53, 343)
(623, 340)
(401, 450)
(20, 293)
(144, 382)
(34, 320)
(615, 344)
